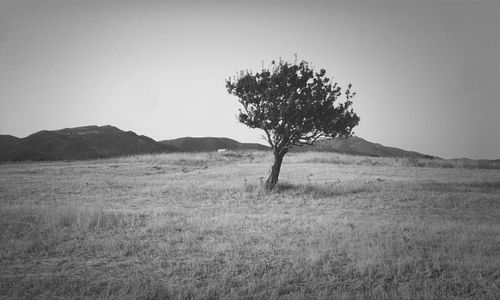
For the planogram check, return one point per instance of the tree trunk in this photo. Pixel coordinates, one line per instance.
(275, 171)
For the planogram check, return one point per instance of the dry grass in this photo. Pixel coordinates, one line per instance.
(198, 226)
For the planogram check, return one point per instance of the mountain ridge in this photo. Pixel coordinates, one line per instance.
(78, 143)
(201, 144)
(359, 146)
(92, 142)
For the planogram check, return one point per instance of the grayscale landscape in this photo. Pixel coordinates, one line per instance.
(199, 225)
(233, 149)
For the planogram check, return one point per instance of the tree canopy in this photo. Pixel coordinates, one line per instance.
(293, 105)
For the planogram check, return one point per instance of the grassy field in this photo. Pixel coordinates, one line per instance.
(199, 226)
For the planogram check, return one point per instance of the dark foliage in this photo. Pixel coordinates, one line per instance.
(294, 106)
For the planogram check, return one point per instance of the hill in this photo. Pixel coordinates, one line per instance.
(88, 142)
(202, 144)
(352, 145)
(358, 146)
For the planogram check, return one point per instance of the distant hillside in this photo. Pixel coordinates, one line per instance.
(87, 142)
(201, 144)
(90, 142)
(358, 146)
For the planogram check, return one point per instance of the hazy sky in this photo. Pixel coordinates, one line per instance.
(427, 73)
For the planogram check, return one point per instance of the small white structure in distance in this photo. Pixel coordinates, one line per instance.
(221, 150)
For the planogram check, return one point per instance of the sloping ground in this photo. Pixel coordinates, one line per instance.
(203, 144)
(88, 142)
(358, 146)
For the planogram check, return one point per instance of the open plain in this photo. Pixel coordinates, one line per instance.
(199, 226)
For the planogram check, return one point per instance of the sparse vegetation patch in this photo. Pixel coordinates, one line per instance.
(336, 226)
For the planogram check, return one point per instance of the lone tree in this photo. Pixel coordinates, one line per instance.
(294, 106)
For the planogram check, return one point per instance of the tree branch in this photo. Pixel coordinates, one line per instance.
(269, 138)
